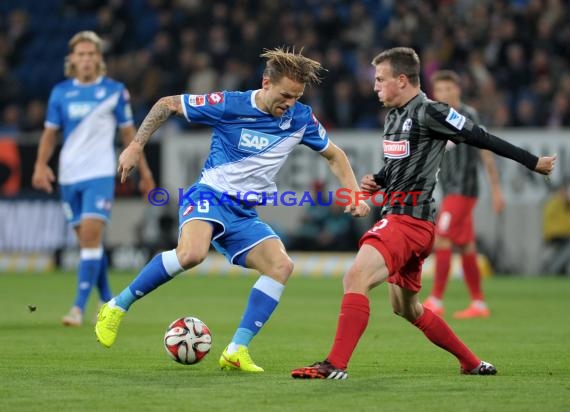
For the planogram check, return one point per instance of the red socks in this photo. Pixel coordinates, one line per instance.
(442, 265)
(352, 322)
(353, 319)
(437, 331)
(472, 276)
(470, 272)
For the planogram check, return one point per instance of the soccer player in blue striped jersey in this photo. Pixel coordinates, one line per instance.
(86, 108)
(253, 132)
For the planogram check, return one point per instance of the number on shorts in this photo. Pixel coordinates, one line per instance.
(444, 221)
(203, 206)
(381, 225)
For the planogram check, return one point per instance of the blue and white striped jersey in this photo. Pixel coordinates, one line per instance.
(88, 115)
(249, 146)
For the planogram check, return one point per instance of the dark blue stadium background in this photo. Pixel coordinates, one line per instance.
(513, 56)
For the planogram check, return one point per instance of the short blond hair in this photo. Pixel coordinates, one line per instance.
(284, 62)
(82, 36)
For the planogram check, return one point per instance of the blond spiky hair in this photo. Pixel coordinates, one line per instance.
(86, 35)
(284, 62)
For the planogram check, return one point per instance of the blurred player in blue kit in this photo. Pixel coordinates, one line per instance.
(253, 133)
(87, 109)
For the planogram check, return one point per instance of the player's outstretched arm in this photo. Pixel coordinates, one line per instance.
(456, 127)
(340, 167)
(160, 112)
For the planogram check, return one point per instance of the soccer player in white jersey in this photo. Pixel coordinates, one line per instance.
(86, 108)
(253, 132)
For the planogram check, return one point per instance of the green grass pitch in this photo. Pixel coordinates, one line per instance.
(46, 367)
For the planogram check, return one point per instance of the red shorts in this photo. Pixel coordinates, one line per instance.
(404, 242)
(455, 219)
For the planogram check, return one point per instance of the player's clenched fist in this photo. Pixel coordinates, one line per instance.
(545, 164)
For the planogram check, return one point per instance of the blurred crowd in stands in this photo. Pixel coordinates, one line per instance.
(513, 56)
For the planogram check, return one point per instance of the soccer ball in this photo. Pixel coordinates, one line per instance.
(187, 340)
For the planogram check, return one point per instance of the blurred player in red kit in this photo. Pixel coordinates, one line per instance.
(454, 227)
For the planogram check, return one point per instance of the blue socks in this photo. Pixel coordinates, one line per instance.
(87, 274)
(263, 300)
(161, 268)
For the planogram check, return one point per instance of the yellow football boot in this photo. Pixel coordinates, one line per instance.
(239, 360)
(107, 326)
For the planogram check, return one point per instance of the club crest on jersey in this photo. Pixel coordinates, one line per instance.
(455, 119)
(215, 98)
(396, 150)
(196, 100)
(100, 92)
(285, 121)
(407, 126)
(254, 142)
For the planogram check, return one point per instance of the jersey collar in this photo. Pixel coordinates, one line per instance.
(96, 81)
(253, 104)
(420, 96)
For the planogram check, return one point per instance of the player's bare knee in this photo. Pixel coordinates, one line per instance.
(442, 243)
(282, 268)
(359, 280)
(190, 258)
(356, 284)
(89, 238)
(347, 282)
(468, 248)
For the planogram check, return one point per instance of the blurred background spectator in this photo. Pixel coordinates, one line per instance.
(513, 56)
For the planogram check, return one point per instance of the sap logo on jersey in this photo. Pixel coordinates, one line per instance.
(78, 110)
(254, 142)
(396, 150)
